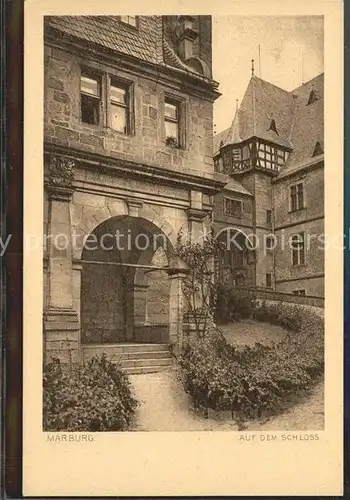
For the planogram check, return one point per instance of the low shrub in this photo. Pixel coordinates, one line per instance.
(260, 378)
(285, 315)
(233, 305)
(91, 397)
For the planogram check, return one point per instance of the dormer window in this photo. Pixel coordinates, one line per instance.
(273, 126)
(313, 97)
(130, 20)
(318, 149)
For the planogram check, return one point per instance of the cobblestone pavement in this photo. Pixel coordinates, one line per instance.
(164, 406)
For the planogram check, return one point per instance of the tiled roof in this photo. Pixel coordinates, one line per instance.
(146, 42)
(307, 127)
(171, 58)
(261, 103)
(221, 136)
(235, 186)
(107, 31)
(299, 124)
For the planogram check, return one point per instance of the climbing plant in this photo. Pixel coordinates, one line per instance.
(198, 286)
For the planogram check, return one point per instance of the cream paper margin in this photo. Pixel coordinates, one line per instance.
(175, 463)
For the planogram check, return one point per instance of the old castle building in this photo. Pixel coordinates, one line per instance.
(127, 150)
(271, 211)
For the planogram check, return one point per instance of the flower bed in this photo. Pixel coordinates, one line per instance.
(91, 397)
(255, 379)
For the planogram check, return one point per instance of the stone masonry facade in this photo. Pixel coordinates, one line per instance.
(100, 179)
(272, 157)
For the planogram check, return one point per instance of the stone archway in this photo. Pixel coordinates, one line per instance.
(237, 260)
(125, 288)
(87, 212)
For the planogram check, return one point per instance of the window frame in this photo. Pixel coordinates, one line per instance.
(92, 74)
(105, 80)
(295, 186)
(228, 198)
(126, 22)
(180, 120)
(127, 86)
(300, 251)
(269, 217)
(269, 247)
(266, 280)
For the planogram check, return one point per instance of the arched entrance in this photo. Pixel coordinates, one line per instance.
(125, 287)
(236, 262)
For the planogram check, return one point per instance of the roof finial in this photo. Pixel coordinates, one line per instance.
(252, 67)
(236, 105)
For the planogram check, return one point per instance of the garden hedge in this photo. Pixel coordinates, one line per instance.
(91, 397)
(250, 380)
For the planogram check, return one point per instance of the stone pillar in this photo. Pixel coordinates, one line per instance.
(176, 308)
(61, 322)
(196, 216)
(136, 311)
(140, 304)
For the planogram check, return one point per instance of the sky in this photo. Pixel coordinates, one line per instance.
(291, 52)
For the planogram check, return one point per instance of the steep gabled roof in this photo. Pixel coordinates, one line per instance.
(218, 138)
(296, 116)
(233, 135)
(308, 126)
(262, 103)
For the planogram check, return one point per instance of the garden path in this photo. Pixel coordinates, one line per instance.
(164, 406)
(250, 331)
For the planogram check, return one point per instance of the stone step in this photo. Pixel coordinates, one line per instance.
(145, 362)
(133, 358)
(123, 356)
(99, 349)
(145, 355)
(139, 370)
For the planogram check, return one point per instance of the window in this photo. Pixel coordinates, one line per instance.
(90, 98)
(269, 217)
(318, 149)
(297, 197)
(301, 293)
(233, 207)
(273, 126)
(271, 157)
(172, 122)
(119, 107)
(226, 160)
(298, 249)
(237, 258)
(106, 101)
(131, 20)
(313, 97)
(270, 242)
(268, 280)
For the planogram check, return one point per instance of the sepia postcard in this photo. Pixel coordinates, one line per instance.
(183, 232)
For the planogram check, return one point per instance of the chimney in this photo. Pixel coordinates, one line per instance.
(186, 36)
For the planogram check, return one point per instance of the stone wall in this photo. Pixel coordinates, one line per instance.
(310, 220)
(146, 142)
(223, 220)
(313, 181)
